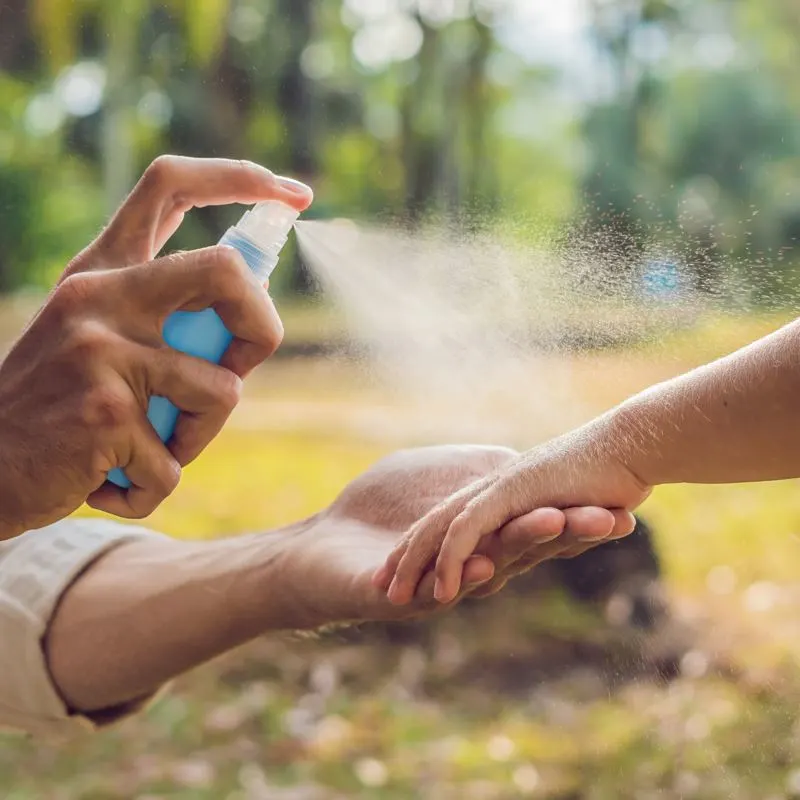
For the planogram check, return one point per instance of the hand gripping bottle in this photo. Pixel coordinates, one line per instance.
(258, 236)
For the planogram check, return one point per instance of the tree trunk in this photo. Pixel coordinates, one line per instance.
(422, 150)
(17, 46)
(480, 183)
(121, 27)
(295, 98)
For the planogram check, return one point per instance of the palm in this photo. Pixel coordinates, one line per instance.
(352, 538)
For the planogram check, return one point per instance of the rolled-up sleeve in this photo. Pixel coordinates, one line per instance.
(35, 571)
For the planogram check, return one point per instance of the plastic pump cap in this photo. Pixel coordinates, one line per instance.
(268, 223)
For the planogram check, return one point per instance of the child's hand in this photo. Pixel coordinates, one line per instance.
(575, 470)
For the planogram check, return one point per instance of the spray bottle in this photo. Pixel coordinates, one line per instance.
(259, 236)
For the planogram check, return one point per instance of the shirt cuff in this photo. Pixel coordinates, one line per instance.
(35, 571)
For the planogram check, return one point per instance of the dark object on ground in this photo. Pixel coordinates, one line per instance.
(621, 579)
(623, 576)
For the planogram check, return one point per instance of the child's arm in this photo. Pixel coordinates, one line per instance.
(737, 419)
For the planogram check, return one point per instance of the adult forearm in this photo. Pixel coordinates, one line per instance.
(737, 419)
(150, 610)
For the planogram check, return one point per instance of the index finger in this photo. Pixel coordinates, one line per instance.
(171, 186)
(215, 277)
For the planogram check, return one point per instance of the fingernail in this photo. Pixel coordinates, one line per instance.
(294, 186)
(438, 591)
(590, 539)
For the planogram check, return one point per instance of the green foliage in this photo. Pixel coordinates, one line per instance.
(692, 146)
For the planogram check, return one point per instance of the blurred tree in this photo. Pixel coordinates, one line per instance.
(682, 147)
(60, 24)
(686, 127)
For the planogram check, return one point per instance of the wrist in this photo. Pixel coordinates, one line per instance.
(270, 591)
(151, 609)
(632, 442)
(300, 584)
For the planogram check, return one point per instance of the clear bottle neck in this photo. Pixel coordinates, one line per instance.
(260, 235)
(261, 261)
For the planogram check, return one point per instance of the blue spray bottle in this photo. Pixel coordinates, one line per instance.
(258, 236)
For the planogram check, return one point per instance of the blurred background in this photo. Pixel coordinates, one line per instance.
(655, 144)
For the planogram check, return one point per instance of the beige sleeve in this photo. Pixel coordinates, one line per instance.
(35, 570)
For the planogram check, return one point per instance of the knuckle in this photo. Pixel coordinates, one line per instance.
(160, 170)
(276, 333)
(229, 259)
(251, 168)
(144, 503)
(88, 339)
(228, 390)
(226, 271)
(104, 407)
(142, 506)
(101, 460)
(75, 291)
(458, 530)
(167, 478)
(170, 263)
(271, 341)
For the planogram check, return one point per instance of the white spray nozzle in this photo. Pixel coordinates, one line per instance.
(268, 224)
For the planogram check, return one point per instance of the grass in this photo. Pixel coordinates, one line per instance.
(456, 714)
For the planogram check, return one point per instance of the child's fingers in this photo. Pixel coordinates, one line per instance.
(410, 569)
(459, 543)
(419, 547)
(411, 558)
(487, 512)
(383, 575)
(478, 571)
(438, 518)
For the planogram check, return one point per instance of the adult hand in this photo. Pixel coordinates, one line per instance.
(74, 389)
(578, 469)
(330, 564)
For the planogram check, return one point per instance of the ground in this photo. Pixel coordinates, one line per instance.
(466, 715)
